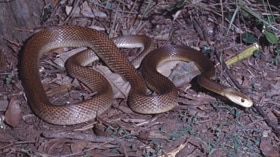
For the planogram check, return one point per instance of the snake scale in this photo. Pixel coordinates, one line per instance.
(139, 100)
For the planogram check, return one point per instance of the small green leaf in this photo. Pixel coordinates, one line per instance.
(248, 38)
(271, 37)
(180, 4)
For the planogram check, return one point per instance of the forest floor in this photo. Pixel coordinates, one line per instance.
(203, 124)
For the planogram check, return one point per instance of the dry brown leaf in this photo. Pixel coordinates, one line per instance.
(125, 109)
(176, 150)
(166, 67)
(158, 135)
(183, 73)
(143, 135)
(179, 72)
(101, 130)
(272, 117)
(59, 90)
(74, 13)
(274, 91)
(62, 80)
(86, 127)
(119, 85)
(3, 105)
(147, 121)
(6, 137)
(78, 146)
(86, 10)
(195, 112)
(62, 57)
(52, 144)
(13, 113)
(65, 85)
(91, 12)
(165, 36)
(268, 149)
(68, 9)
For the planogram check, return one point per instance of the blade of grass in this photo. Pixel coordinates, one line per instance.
(248, 10)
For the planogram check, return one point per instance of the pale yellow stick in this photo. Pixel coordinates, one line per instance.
(245, 54)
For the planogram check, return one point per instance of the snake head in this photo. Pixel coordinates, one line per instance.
(238, 97)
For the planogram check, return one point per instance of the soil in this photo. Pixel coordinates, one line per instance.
(203, 124)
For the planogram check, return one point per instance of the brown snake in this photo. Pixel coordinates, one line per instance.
(138, 100)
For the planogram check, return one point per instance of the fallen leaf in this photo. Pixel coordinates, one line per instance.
(179, 72)
(86, 127)
(91, 12)
(59, 90)
(3, 105)
(177, 150)
(268, 149)
(69, 10)
(102, 130)
(53, 144)
(86, 10)
(119, 85)
(78, 146)
(13, 113)
(6, 137)
(61, 58)
(274, 91)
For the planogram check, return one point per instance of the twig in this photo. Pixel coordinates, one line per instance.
(225, 68)
(259, 109)
(17, 143)
(274, 126)
(80, 136)
(72, 12)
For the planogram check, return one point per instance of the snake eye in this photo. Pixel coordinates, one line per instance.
(242, 100)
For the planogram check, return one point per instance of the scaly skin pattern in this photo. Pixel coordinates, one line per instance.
(138, 99)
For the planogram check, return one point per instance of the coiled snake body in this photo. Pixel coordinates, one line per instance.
(139, 101)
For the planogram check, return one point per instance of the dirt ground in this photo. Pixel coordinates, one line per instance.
(203, 124)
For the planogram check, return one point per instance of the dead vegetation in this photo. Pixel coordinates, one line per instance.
(203, 125)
